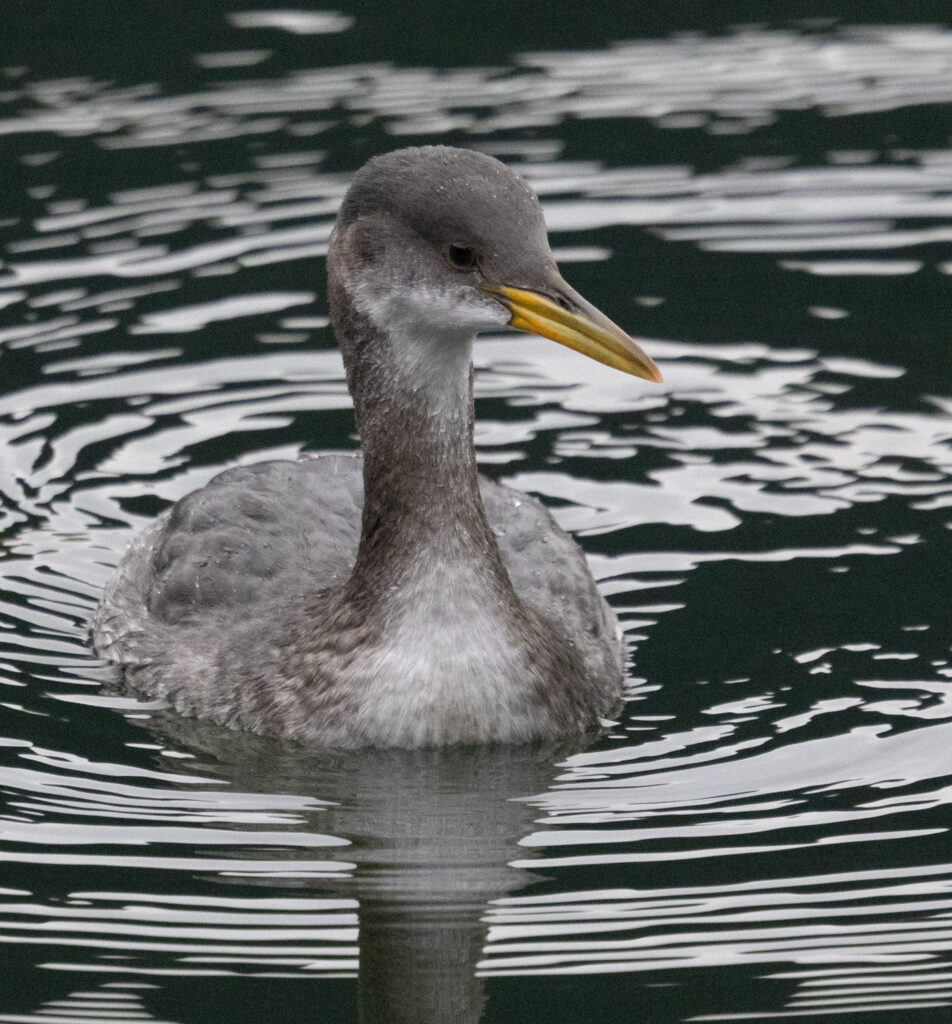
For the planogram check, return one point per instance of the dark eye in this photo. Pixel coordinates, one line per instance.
(460, 257)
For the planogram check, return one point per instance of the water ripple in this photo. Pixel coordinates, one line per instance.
(771, 525)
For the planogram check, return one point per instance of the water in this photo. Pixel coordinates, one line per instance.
(764, 833)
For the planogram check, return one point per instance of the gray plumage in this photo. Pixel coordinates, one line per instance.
(395, 599)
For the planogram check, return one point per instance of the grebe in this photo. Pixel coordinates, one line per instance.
(398, 599)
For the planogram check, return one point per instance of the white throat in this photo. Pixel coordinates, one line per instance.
(431, 330)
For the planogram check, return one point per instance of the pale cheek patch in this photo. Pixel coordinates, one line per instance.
(404, 309)
(431, 332)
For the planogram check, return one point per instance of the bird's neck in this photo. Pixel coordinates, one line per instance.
(421, 490)
(423, 516)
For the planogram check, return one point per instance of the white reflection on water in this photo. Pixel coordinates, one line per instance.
(88, 1007)
(638, 784)
(795, 454)
(702, 795)
(300, 23)
(865, 919)
(808, 210)
(855, 202)
(736, 82)
(774, 434)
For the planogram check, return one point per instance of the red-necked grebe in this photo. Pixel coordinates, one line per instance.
(399, 599)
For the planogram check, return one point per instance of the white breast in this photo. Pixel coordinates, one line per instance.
(447, 669)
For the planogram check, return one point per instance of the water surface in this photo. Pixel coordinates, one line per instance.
(764, 831)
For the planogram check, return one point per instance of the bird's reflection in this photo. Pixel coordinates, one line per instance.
(431, 833)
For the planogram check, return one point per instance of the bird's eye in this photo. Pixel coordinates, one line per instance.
(461, 257)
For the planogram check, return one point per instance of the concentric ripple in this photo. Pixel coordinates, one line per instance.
(764, 831)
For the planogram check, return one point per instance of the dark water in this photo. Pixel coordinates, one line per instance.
(766, 831)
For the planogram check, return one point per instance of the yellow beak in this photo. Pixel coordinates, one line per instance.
(583, 328)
